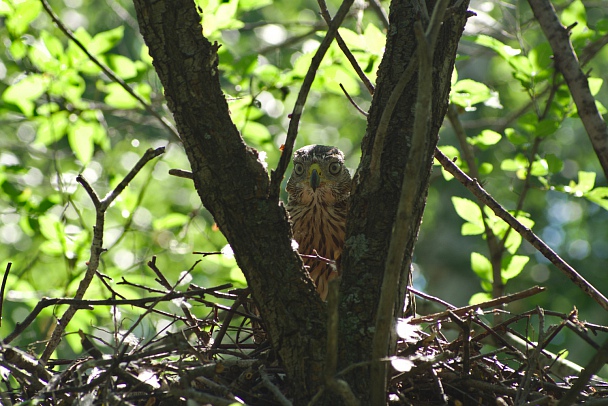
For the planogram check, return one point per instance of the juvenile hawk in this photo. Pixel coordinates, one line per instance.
(318, 190)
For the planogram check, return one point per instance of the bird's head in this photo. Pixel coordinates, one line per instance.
(319, 176)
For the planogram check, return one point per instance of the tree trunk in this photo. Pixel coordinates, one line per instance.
(374, 204)
(234, 186)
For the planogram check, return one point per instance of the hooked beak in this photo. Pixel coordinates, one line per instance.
(315, 177)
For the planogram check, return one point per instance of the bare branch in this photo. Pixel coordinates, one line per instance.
(461, 311)
(292, 131)
(4, 279)
(567, 63)
(96, 247)
(106, 70)
(479, 192)
(349, 55)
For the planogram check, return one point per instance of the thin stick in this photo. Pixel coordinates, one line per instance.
(479, 192)
(4, 279)
(567, 63)
(96, 245)
(292, 131)
(461, 311)
(349, 55)
(106, 70)
(350, 99)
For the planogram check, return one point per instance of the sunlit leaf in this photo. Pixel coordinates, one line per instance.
(512, 266)
(481, 266)
(104, 41)
(466, 93)
(81, 137)
(485, 139)
(468, 210)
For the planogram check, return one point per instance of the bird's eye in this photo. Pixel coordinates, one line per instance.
(335, 167)
(298, 168)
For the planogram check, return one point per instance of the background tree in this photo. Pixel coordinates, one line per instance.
(57, 102)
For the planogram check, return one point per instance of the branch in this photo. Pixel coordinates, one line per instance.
(349, 55)
(479, 192)
(4, 279)
(567, 63)
(106, 70)
(96, 246)
(405, 226)
(292, 131)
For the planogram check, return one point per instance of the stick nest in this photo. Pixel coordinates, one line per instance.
(452, 358)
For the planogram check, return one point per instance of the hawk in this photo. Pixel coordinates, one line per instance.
(318, 191)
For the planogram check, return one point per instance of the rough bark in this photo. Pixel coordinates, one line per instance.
(234, 186)
(374, 204)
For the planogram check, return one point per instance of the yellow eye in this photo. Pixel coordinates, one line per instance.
(298, 168)
(335, 168)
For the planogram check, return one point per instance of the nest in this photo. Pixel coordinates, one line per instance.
(223, 359)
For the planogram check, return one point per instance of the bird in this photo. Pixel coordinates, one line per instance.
(318, 191)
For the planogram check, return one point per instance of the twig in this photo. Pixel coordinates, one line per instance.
(524, 386)
(465, 326)
(4, 279)
(96, 245)
(596, 363)
(479, 192)
(379, 10)
(180, 173)
(108, 71)
(350, 99)
(278, 395)
(567, 63)
(484, 305)
(292, 131)
(349, 55)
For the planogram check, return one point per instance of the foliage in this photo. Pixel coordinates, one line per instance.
(62, 116)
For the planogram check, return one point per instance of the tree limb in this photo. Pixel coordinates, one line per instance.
(567, 63)
(479, 192)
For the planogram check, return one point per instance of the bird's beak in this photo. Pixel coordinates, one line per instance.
(315, 176)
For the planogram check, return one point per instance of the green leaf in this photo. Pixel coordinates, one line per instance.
(335, 75)
(170, 221)
(119, 98)
(256, 132)
(554, 163)
(512, 266)
(505, 51)
(468, 210)
(586, 181)
(53, 44)
(122, 66)
(69, 85)
(25, 91)
(51, 129)
(595, 84)
(375, 40)
(485, 139)
(104, 41)
(21, 17)
(486, 168)
(515, 137)
(81, 137)
(248, 5)
(598, 196)
(481, 266)
(479, 298)
(466, 93)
